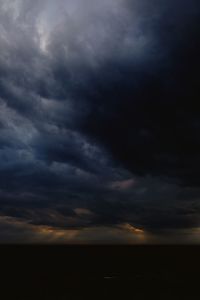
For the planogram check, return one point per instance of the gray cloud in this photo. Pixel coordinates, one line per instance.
(95, 114)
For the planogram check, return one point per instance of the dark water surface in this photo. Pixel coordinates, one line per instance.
(100, 272)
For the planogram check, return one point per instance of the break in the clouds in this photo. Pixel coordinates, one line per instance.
(99, 120)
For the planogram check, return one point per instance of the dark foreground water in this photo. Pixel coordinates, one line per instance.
(100, 272)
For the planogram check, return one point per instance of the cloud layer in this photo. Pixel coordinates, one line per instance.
(99, 117)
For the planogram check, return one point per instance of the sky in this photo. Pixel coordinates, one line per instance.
(99, 121)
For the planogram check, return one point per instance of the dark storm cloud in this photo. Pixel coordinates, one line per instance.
(98, 112)
(147, 113)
